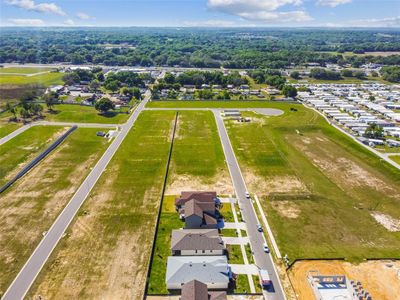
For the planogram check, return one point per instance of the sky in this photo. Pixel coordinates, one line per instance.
(201, 13)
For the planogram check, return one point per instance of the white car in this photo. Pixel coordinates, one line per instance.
(259, 228)
(247, 195)
(265, 248)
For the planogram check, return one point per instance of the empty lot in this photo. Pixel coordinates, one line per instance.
(106, 250)
(29, 207)
(17, 152)
(323, 193)
(197, 161)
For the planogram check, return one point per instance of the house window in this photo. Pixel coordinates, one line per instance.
(211, 251)
(203, 251)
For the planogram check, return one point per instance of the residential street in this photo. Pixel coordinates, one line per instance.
(263, 260)
(21, 284)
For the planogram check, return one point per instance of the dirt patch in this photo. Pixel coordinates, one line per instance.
(343, 171)
(276, 184)
(391, 224)
(285, 184)
(286, 209)
(379, 278)
(221, 184)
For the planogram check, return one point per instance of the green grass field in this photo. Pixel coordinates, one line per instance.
(319, 188)
(214, 104)
(106, 251)
(25, 71)
(196, 134)
(30, 206)
(17, 152)
(41, 79)
(7, 128)
(84, 114)
(227, 213)
(395, 158)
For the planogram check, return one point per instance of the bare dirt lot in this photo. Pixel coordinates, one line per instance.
(222, 184)
(380, 278)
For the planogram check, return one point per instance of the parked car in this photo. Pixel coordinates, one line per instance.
(259, 228)
(265, 248)
(247, 195)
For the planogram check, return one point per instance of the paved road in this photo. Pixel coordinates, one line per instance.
(46, 123)
(263, 260)
(263, 111)
(21, 284)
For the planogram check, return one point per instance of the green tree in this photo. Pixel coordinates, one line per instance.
(104, 105)
(295, 75)
(50, 99)
(36, 109)
(374, 132)
(94, 85)
(289, 91)
(24, 114)
(136, 93)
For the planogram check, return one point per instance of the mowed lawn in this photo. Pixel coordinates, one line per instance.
(30, 206)
(7, 128)
(84, 114)
(46, 79)
(106, 251)
(17, 152)
(318, 187)
(395, 158)
(21, 70)
(197, 160)
(169, 220)
(214, 104)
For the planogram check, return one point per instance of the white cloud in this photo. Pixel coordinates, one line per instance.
(264, 11)
(26, 22)
(83, 16)
(235, 6)
(333, 3)
(281, 17)
(69, 22)
(38, 7)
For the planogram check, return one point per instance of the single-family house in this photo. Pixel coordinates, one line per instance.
(197, 290)
(213, 271)
(200, 196)
(200, 214)
(196, 242)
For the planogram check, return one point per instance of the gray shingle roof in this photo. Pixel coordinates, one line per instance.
(207, 269)
(196, 239)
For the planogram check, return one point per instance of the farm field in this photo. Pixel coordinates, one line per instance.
(30, 206)
(83, 114)
(20, 150)
(215, 104)
(197, 161)
(106, 250)
(325, 196)
(379, 278)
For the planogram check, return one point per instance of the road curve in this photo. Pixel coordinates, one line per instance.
(21, 284)
(263, 260)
